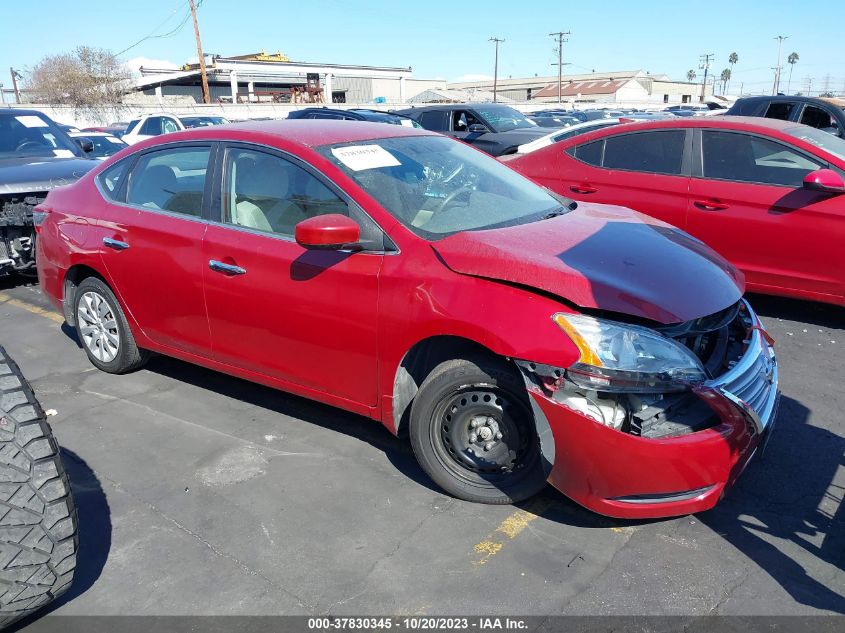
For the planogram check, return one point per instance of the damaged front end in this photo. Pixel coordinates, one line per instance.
(17, 232)
(656, 421)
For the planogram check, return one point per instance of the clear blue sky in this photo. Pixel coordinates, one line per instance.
(448, 39)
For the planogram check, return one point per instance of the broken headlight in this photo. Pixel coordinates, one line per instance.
(627, 358)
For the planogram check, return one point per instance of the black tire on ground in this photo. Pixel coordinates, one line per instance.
(473, 432)
(128, 356)
(38, 525)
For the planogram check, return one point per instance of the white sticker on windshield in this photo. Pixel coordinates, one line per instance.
(360, 157)
(63, 153)
(30, 120)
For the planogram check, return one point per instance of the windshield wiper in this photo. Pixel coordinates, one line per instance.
(557, 212)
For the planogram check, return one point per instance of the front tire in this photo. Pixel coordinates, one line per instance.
(473, 432)
(103, 330)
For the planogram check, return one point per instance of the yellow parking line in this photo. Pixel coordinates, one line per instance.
(8, 300)
(508, 530)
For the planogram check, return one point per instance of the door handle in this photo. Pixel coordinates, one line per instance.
(583, 189)
(711, 205)
(226, 269)
(115, 244)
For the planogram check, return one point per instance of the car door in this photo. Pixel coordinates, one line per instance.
(151, 244)
(306, 317)
(646, 171)
(748, 203)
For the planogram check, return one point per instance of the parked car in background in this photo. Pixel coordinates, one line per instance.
(35, 156)
(768, 195)
(202, 121)
(826, 115)
(553, 120)
(354, 114)
(517, 338)
(492, 127)
(103, 144)
(561, 135)
(117, 128)
(151, 125)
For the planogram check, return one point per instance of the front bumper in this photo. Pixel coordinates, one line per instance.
(626, 476)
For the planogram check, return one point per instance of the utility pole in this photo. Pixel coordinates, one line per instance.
(496, 66)
(206, 97)
(561, 38)
(15, 76)
(808, 81)
(780, 39)
(705, 64)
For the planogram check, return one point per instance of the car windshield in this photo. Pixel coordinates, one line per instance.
(437, 186)
(104, 145)
(825, 140)
(504, 119)
(31, 134)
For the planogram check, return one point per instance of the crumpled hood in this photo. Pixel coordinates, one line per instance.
(604, 257)
(30, 175)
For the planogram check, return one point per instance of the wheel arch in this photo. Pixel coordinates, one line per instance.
(73, 277)
(418, 362)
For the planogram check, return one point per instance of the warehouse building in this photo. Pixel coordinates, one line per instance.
(609, 87)
(274, 78)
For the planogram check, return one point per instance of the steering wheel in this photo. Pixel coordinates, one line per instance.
(29, 144)
(452, 196)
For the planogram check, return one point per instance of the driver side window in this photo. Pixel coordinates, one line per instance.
(462, 119)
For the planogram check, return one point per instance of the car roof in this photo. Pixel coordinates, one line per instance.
(308, 132)
(748, 123)
(23, 111)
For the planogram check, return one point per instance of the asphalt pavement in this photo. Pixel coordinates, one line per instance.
(199, 493)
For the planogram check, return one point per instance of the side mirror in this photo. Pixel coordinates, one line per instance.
(330, 232)
(825, 180)
(477, 128)
(85, 144)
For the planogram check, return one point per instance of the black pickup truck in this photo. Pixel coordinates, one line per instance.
(35, 156)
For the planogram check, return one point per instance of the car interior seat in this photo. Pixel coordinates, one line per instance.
(262, 191)
(154, 187)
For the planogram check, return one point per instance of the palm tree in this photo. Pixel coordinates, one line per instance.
(725, 77)
(733, 58)
(791, 60)
(690, 74)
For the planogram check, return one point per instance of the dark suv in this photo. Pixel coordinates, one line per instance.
(495, 128)
(354, 114)
(817, 113)
(36, 155)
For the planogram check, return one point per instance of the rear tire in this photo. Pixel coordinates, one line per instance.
(473, 432)
(38, 528)
(103, 330)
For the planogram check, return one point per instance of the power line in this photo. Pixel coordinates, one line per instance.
(172, 32)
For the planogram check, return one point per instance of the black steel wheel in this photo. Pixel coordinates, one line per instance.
(474, 434)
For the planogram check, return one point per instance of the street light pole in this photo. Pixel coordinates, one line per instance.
(780, 39)
(496, 66)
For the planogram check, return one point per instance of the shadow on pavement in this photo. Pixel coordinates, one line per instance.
(809, 312)
(789, 495)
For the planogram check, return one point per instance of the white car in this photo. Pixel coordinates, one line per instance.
(567, 132)
(105, 144)
(151, 125)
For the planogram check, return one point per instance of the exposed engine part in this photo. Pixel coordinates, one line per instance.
(17, 232)
(607, 410)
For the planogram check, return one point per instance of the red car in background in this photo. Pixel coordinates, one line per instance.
(765, 194)
(408, 277)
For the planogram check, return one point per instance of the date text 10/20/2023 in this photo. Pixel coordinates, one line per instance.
(421, 623)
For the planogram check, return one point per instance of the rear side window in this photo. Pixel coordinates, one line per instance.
(434, 121)
(112, 179)
(746, 158)
(170, 180)
(589, 153)
(659, 152)
(780, 110)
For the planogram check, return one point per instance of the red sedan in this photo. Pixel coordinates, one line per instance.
(408, 277)
(765, 194)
